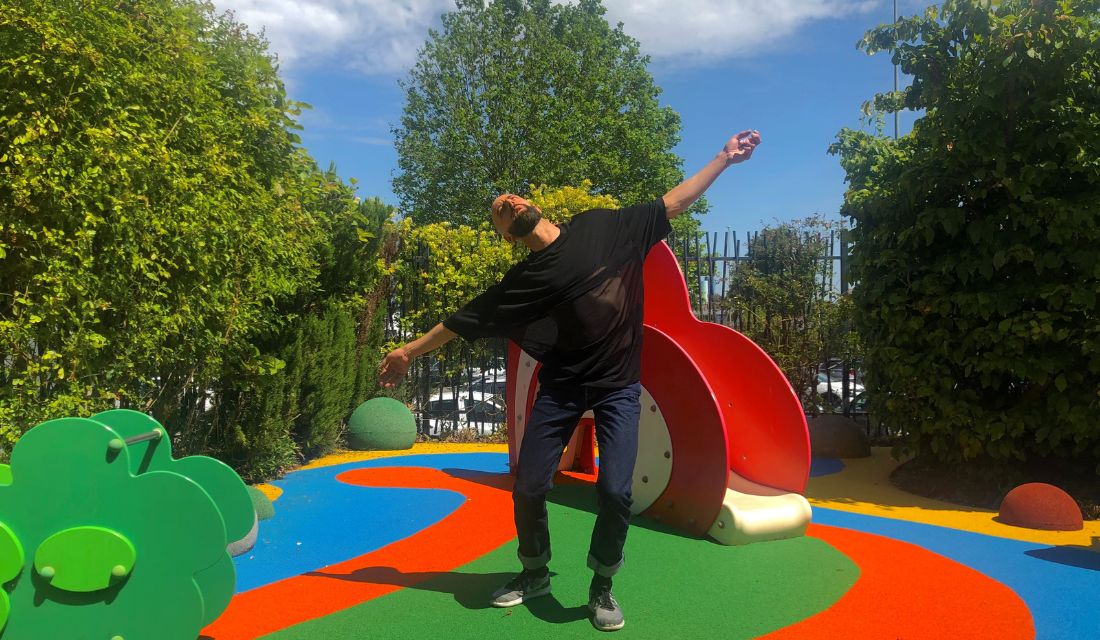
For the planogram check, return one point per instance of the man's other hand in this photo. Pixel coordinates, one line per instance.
(394, 367)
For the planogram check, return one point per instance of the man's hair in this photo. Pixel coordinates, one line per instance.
(525, 221)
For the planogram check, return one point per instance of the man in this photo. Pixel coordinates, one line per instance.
(574, 304)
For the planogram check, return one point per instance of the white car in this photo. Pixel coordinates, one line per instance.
(830, 394)
(453, 410)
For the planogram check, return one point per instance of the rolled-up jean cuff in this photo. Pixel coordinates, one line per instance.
(534, 563)
(602, 569)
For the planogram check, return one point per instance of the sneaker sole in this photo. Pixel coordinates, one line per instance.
(521, 600)
(611, 627)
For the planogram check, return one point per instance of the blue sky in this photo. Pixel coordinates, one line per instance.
(788, 68)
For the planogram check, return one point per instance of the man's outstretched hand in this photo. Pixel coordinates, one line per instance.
(741, 146)
(394, 367)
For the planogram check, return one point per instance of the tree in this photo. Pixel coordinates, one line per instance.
(779, 298)
(978, 295)
(530, 91)
(164, 240)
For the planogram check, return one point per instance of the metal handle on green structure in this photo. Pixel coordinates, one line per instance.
(116, 444)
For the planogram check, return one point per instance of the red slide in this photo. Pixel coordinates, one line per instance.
(723, 446)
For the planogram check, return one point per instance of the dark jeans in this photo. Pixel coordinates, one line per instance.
(553, 418)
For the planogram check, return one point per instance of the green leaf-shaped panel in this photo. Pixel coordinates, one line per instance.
(11, 554)
(85, 559)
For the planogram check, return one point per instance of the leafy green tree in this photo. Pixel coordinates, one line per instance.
(143, 150)
(530, 91)
(975, 237)
(165, 241)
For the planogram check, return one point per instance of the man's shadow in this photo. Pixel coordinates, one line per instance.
(474, 590)
(471, 590)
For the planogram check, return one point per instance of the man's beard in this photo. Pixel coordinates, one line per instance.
(525, 222)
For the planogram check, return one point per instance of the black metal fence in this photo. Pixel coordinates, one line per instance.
(464, 394)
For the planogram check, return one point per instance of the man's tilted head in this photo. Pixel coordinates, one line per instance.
(514, 217)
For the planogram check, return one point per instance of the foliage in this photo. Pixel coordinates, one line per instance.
(781, 298)
(442, 266)
(976, 235)
(530, 91)
(561, 204)
(160, 228)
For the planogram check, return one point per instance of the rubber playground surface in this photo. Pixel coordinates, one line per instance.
(411, 544)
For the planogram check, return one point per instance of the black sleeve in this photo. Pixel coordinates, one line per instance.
(506, 308)
(647, 224)
(476, 318)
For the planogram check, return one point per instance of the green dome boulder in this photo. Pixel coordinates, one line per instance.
(381, 423)
(262, 505)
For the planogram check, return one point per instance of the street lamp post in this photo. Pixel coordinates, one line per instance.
(895, 75)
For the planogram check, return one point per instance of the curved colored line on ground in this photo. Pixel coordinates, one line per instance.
(864, 486)
(905, 591)
(1059, 584)
(487, 509)
(343, 457)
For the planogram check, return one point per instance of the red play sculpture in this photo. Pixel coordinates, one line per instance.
(723, 446)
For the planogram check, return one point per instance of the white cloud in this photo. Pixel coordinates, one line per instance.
(700, 31)
(370, 36)
(383, 36)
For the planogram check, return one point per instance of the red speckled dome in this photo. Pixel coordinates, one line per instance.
(1041, 506)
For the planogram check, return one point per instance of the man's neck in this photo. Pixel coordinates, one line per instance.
(544, 234)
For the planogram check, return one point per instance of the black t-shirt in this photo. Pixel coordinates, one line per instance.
(576, 306)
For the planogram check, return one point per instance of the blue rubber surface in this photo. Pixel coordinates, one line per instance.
(321, 521)
(334, 522)
(1061, 586)
(825, 466)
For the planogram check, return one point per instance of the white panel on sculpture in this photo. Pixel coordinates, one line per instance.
(654, 466)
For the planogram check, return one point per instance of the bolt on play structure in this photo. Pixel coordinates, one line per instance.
(104, 535)
(723, 448)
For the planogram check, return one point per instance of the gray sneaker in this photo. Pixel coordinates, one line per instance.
(522, 588)
(606, 614)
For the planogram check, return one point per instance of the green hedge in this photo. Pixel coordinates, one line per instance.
(976, 235)
(164, 240)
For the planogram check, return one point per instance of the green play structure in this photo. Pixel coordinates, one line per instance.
(104, 535)
(381, 424)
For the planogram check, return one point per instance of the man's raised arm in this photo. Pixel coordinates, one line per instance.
(738, 149)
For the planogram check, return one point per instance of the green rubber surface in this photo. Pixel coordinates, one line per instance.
(671, 587)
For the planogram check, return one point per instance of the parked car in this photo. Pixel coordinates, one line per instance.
(497, 386)
(462, 408)
(828, 394)
(834, 368)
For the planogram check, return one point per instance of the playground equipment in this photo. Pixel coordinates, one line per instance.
(723, 446)
(104, 535)
(1038, 505)
(381, 423)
